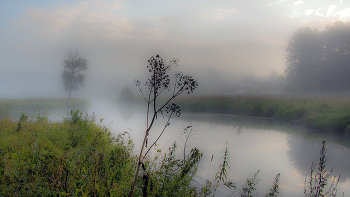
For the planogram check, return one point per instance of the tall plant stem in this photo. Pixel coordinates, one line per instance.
(132, 192)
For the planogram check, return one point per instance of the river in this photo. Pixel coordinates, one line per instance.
(268, 145)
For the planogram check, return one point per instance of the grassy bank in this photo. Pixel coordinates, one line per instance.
(8, 105)
(77, 157)
(73, 157)
(329, 113)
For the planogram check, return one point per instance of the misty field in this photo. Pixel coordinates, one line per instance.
(8, 105)
(329, 113)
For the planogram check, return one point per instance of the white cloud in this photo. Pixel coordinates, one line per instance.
(309, 11)
(218, 14)
(330, 10)
(318, 12)
(298, 2)
(344, 14)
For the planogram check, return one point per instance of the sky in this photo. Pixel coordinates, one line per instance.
(212, 39)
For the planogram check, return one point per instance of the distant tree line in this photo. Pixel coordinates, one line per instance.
(319, 60)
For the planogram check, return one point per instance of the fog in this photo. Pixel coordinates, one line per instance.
(220, 44)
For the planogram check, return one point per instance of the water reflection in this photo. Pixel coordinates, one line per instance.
(303, 151)
(126, 111)
(266, 124)
(274, 146)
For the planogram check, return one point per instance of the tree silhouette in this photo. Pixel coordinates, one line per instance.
(126, 95)
(72, 80)
(302, 55)
(157, 83)
(319, 60)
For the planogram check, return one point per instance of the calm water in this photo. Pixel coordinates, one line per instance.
(254, 143)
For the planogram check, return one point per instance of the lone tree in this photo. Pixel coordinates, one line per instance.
(72, 80)
(158, 82)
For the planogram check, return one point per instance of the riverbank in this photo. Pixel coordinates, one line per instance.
(8, 105)
(72, 157)
(325, 113)
(78, 157)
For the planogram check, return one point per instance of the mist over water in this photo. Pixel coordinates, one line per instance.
(271, 146)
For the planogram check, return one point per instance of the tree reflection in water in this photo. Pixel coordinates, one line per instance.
(303, 151)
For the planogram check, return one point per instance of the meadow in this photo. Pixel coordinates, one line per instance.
(325, 113)
(8, 105)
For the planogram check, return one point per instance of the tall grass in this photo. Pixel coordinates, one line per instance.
(74, 157)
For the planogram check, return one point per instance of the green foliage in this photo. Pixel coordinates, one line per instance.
(74, 157)
(248, 189)
(5, 108)
(169, 176)
(334, 120)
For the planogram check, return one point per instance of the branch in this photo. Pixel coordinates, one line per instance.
(178, 93)
(165, 126)
(78, 70)
(174, 86)
(157, 95)
(143, 95)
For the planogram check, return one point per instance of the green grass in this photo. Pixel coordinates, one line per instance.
(8, 105)
(328, 113)
(77, 157)
(72, 157)
(334, 120)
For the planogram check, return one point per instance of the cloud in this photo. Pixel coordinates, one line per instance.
(344, 14)
(218, 14)
(309, 11)
(318, 12)
(298, 2)
(330, 10)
